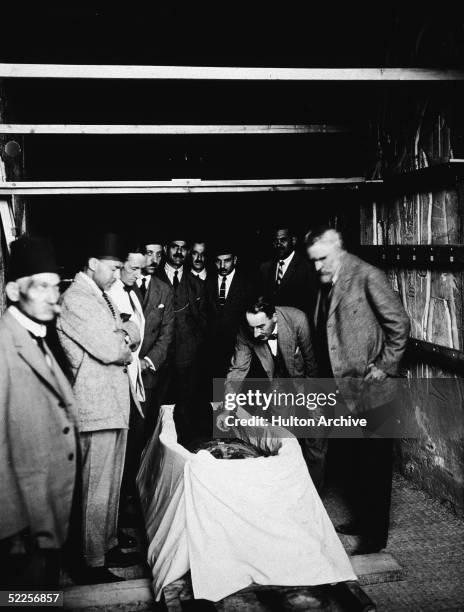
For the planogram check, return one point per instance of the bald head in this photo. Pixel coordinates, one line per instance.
(326, 250)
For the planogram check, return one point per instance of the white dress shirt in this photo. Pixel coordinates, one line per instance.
(120, 297)
(36, 329)
(170, 272)
(285, 264)
(201, 275)
(273, 343)
(229, 279)
(147, 278)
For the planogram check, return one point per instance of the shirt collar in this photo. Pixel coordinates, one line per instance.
(288, 259)
(37, 329)
(228, 278)
(170, 270)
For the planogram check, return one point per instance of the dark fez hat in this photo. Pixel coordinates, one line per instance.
(108, 246)
(30, 255)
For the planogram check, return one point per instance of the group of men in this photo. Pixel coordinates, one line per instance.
(144, 326)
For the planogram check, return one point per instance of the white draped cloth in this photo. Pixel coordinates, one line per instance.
(235, 522)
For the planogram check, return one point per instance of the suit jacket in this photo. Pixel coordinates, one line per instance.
(293, 340)
(96, 349)
(190, 315)
(224, 321)
(121, 298)
(298, 285)
(158, 306)
(366, 323)
(37, 440)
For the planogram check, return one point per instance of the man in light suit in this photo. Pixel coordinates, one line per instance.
(288, 279)
(38, 453)
(361, 335)
(276, 343)
(99, 348)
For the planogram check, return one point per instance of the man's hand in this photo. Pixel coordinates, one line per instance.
(221, 421)
(375, 374)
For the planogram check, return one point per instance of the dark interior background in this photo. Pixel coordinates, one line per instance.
(295, 34)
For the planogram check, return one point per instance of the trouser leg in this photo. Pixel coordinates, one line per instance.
(315, 454)
(102, 465)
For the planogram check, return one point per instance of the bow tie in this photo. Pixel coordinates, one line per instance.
(273, 337)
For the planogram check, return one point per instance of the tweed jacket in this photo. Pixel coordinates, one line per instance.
(95, 346)
(158, 307)
(189, 317)
(37, 440)
(366, 323)
(294, 342)
(298, 285)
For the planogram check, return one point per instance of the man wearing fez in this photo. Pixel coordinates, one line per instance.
(288, 279)
(361, 334)
(189, 330)
(37, 424)
(99, 347)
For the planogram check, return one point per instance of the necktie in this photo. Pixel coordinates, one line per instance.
(128, 290)
(280, 272)
(222, 292)
(175, 280)
(109, 304)
(41, 344)
(143, 287)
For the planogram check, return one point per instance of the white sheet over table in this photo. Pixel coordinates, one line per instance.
(232, 523)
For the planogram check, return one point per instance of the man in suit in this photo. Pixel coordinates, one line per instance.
(361, 335)
(99, 348)
(153, 259)
(38, 453)
(275, 343)
(198, 255)
(229, 292)
(125, 295)
(189, 332)
(158, 308)
(288, 279)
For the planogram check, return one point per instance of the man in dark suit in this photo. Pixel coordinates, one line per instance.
(275, 343)
(158, 309)
(229, 292)
(38, 450)
(361, 335)
(288, 279)
(189, 332)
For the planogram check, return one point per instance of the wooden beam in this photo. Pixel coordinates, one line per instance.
(79, 71)
(7, 221)
(20, 128)
(176, 186)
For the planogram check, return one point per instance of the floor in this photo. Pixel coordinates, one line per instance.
(426, 538)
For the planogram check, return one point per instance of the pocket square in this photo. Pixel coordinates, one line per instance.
(160, 305)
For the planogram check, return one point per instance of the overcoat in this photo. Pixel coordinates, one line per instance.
(37, 440)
